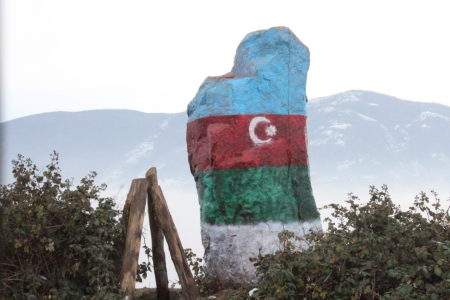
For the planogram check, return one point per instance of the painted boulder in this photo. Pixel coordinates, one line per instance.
(246, 138)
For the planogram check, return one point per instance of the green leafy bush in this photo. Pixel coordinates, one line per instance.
(206, 284)
(371, 251)
(60, 242)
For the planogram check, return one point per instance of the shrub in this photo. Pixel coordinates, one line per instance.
(206, 284)
(372, 251)
(59, 242)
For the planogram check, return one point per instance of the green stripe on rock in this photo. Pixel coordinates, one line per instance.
(253, 195)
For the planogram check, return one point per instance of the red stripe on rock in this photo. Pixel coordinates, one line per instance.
(245, 141)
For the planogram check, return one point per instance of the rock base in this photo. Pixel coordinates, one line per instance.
(229, 247)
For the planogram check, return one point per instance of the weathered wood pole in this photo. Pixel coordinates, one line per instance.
(188, 286)
(159, 258)
(121, 244)
(136, 201)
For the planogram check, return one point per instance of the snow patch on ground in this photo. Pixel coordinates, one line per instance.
(346, 97)
(180, 149)
(172, 182)
(340, 126)
(339, 98)
(331, 136)
(441, 157)
(160, 166)
(318, 142)
(428, 114)
(140, 150)
(392, 144)
(317, 100)
(366, 118)
(444, 158)
(327, 109)
(345, 165)
(165, 123)
(112, 174)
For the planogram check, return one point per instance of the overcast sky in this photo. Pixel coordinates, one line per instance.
(152, 56)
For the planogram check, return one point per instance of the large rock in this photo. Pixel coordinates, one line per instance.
(247, 150)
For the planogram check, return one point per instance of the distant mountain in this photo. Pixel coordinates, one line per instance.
(360, 138)
(356, 139)
(118, 144)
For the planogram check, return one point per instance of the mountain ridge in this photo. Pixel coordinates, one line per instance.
(116, 139)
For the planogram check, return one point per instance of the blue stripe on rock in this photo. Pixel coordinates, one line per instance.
(268, 77)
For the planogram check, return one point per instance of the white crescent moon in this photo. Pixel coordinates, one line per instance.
(251, 130)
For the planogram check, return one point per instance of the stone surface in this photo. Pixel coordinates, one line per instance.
(268, 77)
(215, 141)
(228, 248)
(253, 195)
(246, 138)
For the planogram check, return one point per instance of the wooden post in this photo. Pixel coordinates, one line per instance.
(136, 201)
(188, 286)
(122, 242)
(159, 258)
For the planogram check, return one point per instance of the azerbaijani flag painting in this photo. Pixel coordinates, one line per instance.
(247, 149)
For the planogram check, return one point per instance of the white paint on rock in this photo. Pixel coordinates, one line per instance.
(255, 121)
(229, 247)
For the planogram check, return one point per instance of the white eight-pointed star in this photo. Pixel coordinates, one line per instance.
(271, 130)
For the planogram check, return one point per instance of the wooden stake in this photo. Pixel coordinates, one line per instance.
(136, 201)
(159, 258)
(188, 286)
